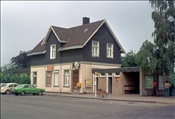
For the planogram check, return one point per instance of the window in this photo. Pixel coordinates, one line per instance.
(53, 51)
(109, 50)
(35, 78)
(95, 48)
(56, 78)
(26, 86)
(15, 85)
(48, 78)
(66, 78)
(11, 85)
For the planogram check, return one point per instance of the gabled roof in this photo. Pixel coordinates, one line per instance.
(73, 38)
(62, 34)
(39, 49)
(80, 35)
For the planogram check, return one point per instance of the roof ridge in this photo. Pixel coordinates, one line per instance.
(87, 24)
(59, 27)
(79, 25)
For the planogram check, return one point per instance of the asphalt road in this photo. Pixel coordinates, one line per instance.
(57, 107)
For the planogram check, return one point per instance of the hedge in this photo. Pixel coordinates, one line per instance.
(13, 78)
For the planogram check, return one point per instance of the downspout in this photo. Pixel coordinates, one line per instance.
(60, 72)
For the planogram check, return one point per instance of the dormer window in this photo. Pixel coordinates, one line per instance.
(52, 51)
(95, 48)
(109, 50)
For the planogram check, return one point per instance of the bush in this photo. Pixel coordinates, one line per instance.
(13, 78)
(172, 78)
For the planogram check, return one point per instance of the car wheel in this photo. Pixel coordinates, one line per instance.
(40, 93)
(23, 93)
(16, 93)
(7, 92)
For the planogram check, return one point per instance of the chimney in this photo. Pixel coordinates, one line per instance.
(86, 20)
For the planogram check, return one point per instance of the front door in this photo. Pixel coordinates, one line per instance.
(75, 80)
(110, 85)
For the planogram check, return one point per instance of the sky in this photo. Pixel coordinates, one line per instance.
(25, 23)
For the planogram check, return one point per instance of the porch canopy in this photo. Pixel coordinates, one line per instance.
(116, 70)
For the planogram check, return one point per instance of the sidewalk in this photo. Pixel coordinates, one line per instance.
(128, 97)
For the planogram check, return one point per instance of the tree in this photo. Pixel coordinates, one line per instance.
(21, 60)
(145, 56)
(129, 59)
(164, 34)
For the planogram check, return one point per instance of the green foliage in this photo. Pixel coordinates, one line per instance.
(7, 67)
(21, 60)
(164, 35)
(172, 78)
(145, 57)
(129, 59)
(6, 78)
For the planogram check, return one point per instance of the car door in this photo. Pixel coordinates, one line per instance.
(33, 89)
(10, 87)
(13, 86)
(26, 89)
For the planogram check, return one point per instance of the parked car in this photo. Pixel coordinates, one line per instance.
(2, 84)
(7, 88)
(27, 89)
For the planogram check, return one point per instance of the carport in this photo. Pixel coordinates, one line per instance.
(125, 80)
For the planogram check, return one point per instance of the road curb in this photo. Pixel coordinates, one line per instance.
(109, 99)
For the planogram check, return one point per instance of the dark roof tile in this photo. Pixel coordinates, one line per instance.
(39, 49)
(80, 34)
(72, 37)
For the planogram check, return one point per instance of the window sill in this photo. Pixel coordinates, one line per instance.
(66, 86)
(95, 56)
(48, 85)
(56, 86)
(110, 57)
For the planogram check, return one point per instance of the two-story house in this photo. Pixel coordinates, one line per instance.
(66, 56)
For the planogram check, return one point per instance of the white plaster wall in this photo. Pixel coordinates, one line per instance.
(41, 74)
(85, 72)
(41, 77)
(63, 68)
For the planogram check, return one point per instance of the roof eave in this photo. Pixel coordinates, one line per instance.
(122, 51)
(71, 48)
(47, 35)
(94, 33)
(121, 48)
(36, 53)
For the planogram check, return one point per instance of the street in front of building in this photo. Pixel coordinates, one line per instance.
(58, 107)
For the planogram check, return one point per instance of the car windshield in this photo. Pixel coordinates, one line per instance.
(3, 85)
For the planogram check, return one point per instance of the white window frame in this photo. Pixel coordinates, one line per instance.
(53, 51)
(66, 78)
(95, 48)
(109, 50)
(56, 79)
(47, 76)
(34, 78)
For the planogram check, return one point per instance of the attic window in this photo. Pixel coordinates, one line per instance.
(95, 48)
(52, 51)
(109, 50)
